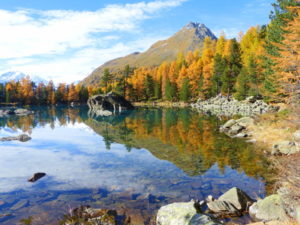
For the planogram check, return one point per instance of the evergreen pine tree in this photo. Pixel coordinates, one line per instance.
(185, 91)
(218, 70)
(242, 84)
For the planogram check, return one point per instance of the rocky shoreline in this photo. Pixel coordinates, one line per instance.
(228, 106)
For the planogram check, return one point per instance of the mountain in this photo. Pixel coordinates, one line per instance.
(189, 38)
(17, 76)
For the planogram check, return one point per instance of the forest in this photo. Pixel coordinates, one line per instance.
(264, 62)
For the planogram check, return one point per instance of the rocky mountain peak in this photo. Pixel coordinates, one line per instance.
(200, 30)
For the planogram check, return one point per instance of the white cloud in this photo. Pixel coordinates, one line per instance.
(59, 37)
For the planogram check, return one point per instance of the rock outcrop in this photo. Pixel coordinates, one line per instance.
(106, 105)
(228, 106)
(182, 213)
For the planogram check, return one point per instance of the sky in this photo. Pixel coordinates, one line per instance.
(65, 40)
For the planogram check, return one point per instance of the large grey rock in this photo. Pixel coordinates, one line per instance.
(182, 213)
(111, 102)
(179, 213)
(234, 202)
(269, 208)
(285, 148)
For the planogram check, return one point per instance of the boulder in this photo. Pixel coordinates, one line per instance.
(103, 104)
(182, 213)
(269, 208)
(176, 214)
(238, 198)
(285, 148)
(234, 202)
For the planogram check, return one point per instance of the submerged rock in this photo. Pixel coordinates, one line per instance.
(87, 215)
(106, 105)
(182, 213)
(36, 177)
(269, 208)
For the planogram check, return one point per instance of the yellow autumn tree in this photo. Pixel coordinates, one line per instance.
(288, 64)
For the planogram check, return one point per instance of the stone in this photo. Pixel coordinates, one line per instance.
(20, 204)
(238, 198)
(268, 209)
(285, 148)
(36, 177)
(180, 213)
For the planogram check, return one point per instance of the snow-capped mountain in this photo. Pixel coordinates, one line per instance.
(17, 76)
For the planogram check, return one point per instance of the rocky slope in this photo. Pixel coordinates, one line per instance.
(189, 38)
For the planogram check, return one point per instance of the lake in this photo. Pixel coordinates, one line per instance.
(134, 162)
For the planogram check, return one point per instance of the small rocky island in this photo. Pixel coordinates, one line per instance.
(108, 104)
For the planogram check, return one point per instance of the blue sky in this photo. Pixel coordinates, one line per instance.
(65, 40)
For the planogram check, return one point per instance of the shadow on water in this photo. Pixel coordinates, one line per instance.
(134, 162)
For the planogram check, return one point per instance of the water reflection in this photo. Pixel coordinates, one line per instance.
(136, 161)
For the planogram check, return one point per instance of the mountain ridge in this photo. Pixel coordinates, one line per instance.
(189, 38)
(18, 76)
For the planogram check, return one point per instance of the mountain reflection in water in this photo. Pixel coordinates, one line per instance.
(137, 162)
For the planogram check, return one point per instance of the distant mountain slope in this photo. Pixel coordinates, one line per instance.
(17, 76)
(189, 38)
